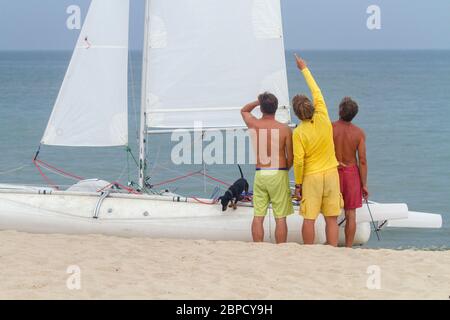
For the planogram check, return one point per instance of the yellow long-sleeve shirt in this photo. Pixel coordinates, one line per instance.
(313, 140)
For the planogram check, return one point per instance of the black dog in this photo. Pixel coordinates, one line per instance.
(234, 193)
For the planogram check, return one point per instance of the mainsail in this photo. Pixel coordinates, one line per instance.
(92, 106)
(206, 59)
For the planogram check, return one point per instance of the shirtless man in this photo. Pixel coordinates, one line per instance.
(273, 145)
(350, 145)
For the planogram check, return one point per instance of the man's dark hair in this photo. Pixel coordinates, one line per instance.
(269, 103)
(348, 109)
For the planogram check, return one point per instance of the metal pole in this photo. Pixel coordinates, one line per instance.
(143, 126)
(373, 221)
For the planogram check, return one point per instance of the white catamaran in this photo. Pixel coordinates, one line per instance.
(202, 60)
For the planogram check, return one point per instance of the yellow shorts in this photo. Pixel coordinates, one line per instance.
(321, 194)
(272, 186)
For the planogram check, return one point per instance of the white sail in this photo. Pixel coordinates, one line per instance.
(208, 58)
(92, 107)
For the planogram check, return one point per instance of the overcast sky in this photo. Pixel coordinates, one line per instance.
(309, 24)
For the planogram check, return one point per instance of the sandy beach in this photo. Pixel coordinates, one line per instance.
(36, 267)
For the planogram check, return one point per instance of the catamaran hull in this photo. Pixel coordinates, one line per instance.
(141, 216)
(47, 211)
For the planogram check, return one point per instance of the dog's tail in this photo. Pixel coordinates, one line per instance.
(240, 170)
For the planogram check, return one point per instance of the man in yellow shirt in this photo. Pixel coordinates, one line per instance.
(315, 164)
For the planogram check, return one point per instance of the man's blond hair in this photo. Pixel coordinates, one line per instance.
(303, 107)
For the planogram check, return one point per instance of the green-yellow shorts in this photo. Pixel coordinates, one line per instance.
(321, 192)
(272, 186)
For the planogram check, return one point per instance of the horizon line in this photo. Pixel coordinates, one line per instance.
(287, 49)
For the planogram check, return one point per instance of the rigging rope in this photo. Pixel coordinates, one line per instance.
(200, 172)
(217, 180)
(58, 171)
(130, 190)
(214, 202)
(128, 149)
(123, 173)
(41, 164)
(177, 179)
(14, 170)
(43, 175)
(178, 172)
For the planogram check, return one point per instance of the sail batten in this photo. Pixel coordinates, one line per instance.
(206, 59)
(92, 106)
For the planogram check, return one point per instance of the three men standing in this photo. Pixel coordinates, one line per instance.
(311, 150)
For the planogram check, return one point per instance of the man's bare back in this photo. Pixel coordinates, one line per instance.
(272, 140)
(350, 146)
(349, 141)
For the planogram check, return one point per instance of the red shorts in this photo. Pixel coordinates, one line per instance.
(351, 187)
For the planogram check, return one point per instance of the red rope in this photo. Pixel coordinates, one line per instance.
(47, 180)
(50, 167)
(190, 175)
(177, 179)
(130, 190)
(107, 187)
(39, 163)
(216, 180)
(214, 202)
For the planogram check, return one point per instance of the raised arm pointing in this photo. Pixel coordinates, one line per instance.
(318, 100)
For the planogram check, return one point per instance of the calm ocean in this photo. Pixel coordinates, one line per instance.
(404, 98)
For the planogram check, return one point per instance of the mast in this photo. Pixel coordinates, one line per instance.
(143, 126)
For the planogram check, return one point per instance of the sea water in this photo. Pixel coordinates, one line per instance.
(404, 99)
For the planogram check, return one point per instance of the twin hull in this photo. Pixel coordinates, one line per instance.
(147, 216)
